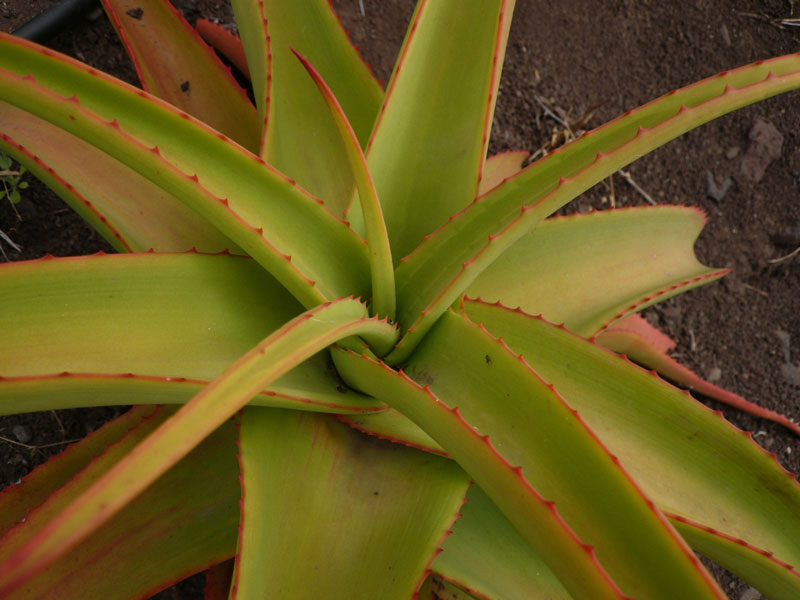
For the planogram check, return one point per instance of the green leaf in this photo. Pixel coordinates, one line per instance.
(391, 424)
(690, 461)
(430, 139)
(312, 252)
(296, 341)
(175, 321)
(251, 24)
(537, 460)
(440, 269)
(17, 500)
(775, 579)
(500, 167)
(173, 63)
(588, 270)
(300, 140)
(380, 254)
(301, 538)
(129, 211)
(488, 556)
(178, 526)
(647, 346)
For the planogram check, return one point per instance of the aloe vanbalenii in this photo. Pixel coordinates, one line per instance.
(336, 287)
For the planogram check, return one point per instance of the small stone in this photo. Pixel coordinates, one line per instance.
(714, 190)
(726, 36)
(732, 152)
(765, 146)
(714, 375)
(791, 373)
(750, 594)
(22, 433)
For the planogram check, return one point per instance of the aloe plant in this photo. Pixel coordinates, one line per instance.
(323, 310)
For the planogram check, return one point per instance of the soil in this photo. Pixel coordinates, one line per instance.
(586, 61)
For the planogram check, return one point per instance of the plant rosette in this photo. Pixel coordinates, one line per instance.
(334, 315)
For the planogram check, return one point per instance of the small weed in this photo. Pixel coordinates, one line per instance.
(11, 179)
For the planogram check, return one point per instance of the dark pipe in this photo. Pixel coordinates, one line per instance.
(54, 20)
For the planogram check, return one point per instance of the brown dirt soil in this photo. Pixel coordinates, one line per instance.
(582, 60)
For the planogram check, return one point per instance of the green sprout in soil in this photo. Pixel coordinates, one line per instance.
(12, 183)
(11, 179)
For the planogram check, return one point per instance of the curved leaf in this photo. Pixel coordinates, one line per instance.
(296, 341)
(430, 138)
(487, 556)
(500, 167)
(390, 424)
(17, 500)
(380, 254)
(692, 463)
(643, 343)
(775, 579)
(176, 321)
(441, 268)
(534, 516)
(174, 64)
(587, 270)
(129, 211)
(178, 526)
(301, 538)
(311, 251)
(300, 140)
(524, 447)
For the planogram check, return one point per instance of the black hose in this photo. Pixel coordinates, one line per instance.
(54, 20)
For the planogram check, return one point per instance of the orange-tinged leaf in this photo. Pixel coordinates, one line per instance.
(174, 64)
(180, 525)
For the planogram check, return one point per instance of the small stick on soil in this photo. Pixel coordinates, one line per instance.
(791, 254)
(755, 289)
(30, 447)
(8, 241)
(60, 424)
(636, 186)
(550, 113)
(613, 196)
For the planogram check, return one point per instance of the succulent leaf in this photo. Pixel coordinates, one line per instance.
(380, 253)
(174, 63)
(773, 578)
(487, 556)
(586, 270)
(523, 506)
(531, 476)
(500, 167)
(296, 341)
(592, 477)
(430, 139)
(164, 531)
(289, 232)
(449, 260)
(157, 325)
(302, 476)
(391, 424)
(129, 211)
(225, 42)
(691, 462)
(646, 345)
(300, 140)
